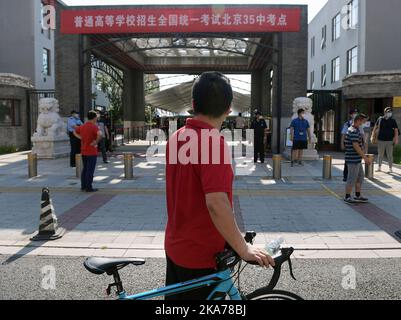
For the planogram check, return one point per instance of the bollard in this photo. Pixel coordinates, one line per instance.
(48, 225)
(78, 165)
(128, 166)
(32, 165)
(327, 163)
(369, 169)
(277, 167)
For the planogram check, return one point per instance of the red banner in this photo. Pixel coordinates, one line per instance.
(197, 19)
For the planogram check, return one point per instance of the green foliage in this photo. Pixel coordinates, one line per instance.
(8, 149)
(114, 93)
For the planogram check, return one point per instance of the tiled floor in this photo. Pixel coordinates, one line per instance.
(128, 218)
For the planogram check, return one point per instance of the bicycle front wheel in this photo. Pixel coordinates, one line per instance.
(272, 295)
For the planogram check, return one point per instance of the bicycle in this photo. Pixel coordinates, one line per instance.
(222, 279)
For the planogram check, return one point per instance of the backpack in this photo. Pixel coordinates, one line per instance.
(375, 132)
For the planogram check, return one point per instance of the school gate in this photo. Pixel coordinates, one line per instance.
(269, 42)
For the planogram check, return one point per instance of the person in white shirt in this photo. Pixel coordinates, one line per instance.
(239, 122)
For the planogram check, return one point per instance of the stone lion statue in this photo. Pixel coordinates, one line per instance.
(49, 122)
(306, 104)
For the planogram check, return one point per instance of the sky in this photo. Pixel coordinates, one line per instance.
(241, 83)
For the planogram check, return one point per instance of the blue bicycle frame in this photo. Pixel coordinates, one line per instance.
(225, 286)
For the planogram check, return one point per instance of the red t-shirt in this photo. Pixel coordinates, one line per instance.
(88, 133)
(192, 241)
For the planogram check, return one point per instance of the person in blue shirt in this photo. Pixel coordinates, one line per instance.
(300, 136)
(74, 122)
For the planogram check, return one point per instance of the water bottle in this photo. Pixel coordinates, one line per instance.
(273, 247)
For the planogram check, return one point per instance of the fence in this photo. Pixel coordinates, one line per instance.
(33, 97)
(123, 136)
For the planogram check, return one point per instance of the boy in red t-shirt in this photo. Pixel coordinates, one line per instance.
(90, 135)
(199, 191)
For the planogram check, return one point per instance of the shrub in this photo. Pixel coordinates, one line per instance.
(397, 154)
(7, 149)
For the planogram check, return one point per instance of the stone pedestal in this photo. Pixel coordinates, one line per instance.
(50, 141)
(50, 149)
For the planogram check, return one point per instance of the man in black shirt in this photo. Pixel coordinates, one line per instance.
(387, 137)
(259, 126)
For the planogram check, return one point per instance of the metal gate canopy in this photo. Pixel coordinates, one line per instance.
(178, 99)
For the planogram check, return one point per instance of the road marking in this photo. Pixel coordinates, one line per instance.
(77, 214)
(331, 192)
(238, 213)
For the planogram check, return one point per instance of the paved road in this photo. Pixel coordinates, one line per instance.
(317, 279)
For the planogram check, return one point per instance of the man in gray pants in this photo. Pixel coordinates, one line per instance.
(387, 138)
(354, 154)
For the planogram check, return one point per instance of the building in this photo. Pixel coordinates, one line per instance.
(26, 48)
(354, 46)
(226, 38)
(26, 65)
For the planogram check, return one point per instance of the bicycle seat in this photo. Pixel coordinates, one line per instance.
(109, 265)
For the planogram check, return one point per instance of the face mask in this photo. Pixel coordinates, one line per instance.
(389, 115)
(353, 116)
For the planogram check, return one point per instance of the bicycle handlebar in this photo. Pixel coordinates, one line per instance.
(230, 258)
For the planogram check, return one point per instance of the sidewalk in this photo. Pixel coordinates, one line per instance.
(127, 218)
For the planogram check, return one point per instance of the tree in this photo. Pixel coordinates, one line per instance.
(114, 93)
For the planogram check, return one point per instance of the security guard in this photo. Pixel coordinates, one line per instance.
(72, 123)
(259, 126)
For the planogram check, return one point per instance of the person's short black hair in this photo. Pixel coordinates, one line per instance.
(212, 94)
(353, 111)
(73, 111)
(300, 111)
(92, 115)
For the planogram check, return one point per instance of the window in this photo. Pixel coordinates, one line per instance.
(335, 70)
(323, 75)
(46, 62)
(10, 113)
(336, 26)
(312, 80)
(312, 47)
(324, 37)
(353, 8)
(352, 60)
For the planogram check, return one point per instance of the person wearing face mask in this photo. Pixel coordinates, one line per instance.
(354, 154)
(73, 123)
(260, 128)
(388, 133)
(300, 135)
(352, 115)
